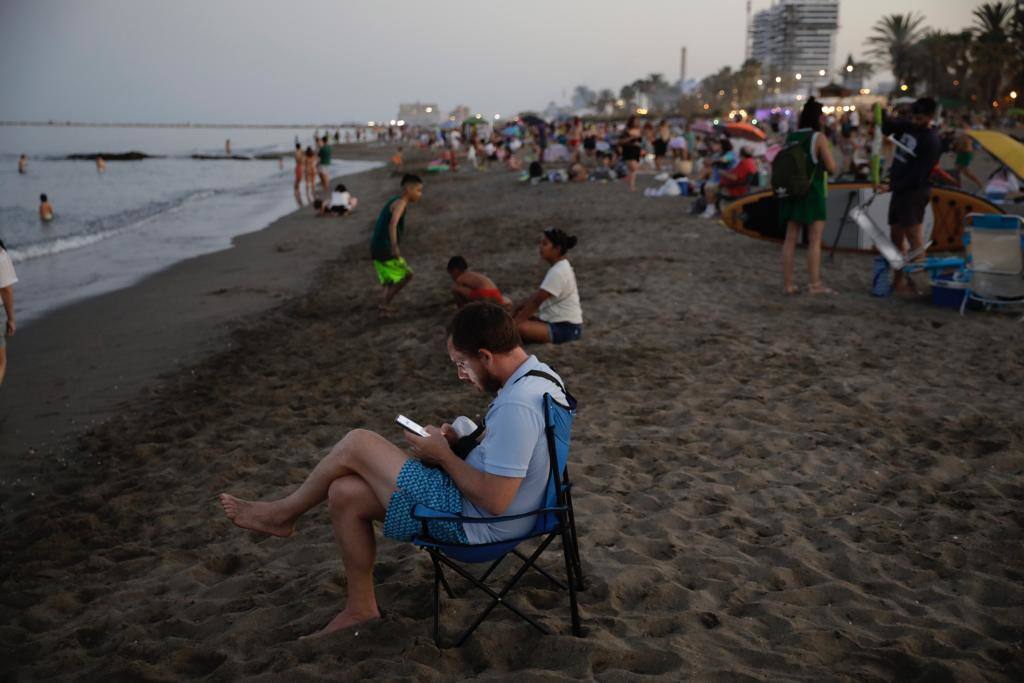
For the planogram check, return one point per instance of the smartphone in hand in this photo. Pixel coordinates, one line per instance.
(411, 426)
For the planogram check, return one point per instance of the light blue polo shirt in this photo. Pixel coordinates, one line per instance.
(514, 445)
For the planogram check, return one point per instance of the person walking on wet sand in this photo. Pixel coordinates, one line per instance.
(366, 478)
(7, 279)
(300, 163)
(810, 209)
(393, 271)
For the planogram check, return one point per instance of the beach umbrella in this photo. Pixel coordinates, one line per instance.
(532, 120)
(746, 131)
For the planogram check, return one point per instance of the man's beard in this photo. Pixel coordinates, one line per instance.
(490, 384)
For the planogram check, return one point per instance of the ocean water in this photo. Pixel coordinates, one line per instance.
(138, 217)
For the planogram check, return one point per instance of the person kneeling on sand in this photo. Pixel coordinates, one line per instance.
(365, 477)
(557, 302)
(473, 286)
(340, 203)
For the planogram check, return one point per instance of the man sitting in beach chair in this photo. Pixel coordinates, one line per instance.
(365, 477)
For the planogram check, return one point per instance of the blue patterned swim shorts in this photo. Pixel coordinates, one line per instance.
(428, 486)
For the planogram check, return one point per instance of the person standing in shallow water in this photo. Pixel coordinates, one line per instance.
(7, 280)
(22, 164)
(45, 209)
(809, 210)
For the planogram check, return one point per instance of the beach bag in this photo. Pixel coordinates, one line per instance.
(792, 171)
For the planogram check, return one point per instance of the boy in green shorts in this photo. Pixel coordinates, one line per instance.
(392, 270)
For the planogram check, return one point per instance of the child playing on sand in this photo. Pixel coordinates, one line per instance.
(340, 203)
(45, 209)
(473, 286)
(392, 270)
(397, 161)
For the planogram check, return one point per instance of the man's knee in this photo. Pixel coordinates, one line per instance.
(344, 491)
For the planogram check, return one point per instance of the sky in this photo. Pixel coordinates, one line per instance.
(309, 61)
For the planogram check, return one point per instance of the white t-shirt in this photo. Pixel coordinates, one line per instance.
(341, 199)
(7, 274)
(564, 304)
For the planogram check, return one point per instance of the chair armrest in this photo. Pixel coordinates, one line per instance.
(425, 514)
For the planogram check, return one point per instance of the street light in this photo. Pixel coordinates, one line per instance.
(429, 109)
(904, 87)
(821, 72)
(798, 76)
(497, 116)
(1013, 94)
(849, 68)
(760, 81)
(778, 79)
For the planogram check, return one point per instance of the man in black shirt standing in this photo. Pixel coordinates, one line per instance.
(916, 154)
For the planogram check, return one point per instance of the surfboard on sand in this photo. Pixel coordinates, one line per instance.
(757, 215)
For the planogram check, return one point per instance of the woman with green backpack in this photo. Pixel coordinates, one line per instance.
(800, 181)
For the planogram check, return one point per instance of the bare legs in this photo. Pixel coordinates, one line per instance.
(631, 167)
(390, 291)
(814, 233)
(534, 331)
(357, 477)
(914, 234)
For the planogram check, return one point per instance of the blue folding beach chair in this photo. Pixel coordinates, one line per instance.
(995, 260)
(554, 520)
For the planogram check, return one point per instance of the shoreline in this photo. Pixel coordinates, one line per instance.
(44, 371)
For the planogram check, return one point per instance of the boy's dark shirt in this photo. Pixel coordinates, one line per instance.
(911, 173)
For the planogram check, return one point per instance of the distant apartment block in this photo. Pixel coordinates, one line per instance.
(796, 36)
(419, 114)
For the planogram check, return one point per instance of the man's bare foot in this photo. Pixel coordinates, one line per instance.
(256, 516)
(819, 288)
(346, 619)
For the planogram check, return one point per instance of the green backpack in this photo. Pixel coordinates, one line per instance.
(792, 171)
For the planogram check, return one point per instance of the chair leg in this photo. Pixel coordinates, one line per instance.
(571, 579)
(577, 565)
(438, 577)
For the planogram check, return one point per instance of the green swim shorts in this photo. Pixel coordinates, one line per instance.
(392, 271)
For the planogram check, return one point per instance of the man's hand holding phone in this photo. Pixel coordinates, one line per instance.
(432, 448)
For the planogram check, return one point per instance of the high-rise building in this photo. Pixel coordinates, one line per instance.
(419, 114)
(796, 36)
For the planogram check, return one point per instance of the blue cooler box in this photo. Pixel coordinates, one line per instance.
(947, 291)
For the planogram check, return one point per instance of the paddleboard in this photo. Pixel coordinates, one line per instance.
(757, 215)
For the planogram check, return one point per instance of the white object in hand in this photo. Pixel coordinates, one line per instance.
(463, 426)
(411, 426)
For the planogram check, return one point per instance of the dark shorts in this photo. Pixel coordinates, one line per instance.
(564, 332)
(339, 210)
(660, 147)
(907, 208)
(427, 486)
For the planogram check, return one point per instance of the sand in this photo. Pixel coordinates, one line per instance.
(767, 488)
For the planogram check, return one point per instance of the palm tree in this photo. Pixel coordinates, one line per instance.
(944, 60)
(992, 49)
(892, 41)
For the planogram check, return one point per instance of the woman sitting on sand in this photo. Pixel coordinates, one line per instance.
(557, 302)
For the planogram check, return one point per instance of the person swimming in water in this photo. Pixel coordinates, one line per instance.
(45, 209)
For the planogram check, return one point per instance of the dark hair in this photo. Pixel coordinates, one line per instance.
(483, 325)
(561, 240)
(457, 263)
(411, 179)
(340, 188)
(631, 122)
(746, 151)
(810, 115)
(925, 106)
(298, 145)
(726, 144)
(536, 170)
(42, 197)
(309, 151)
